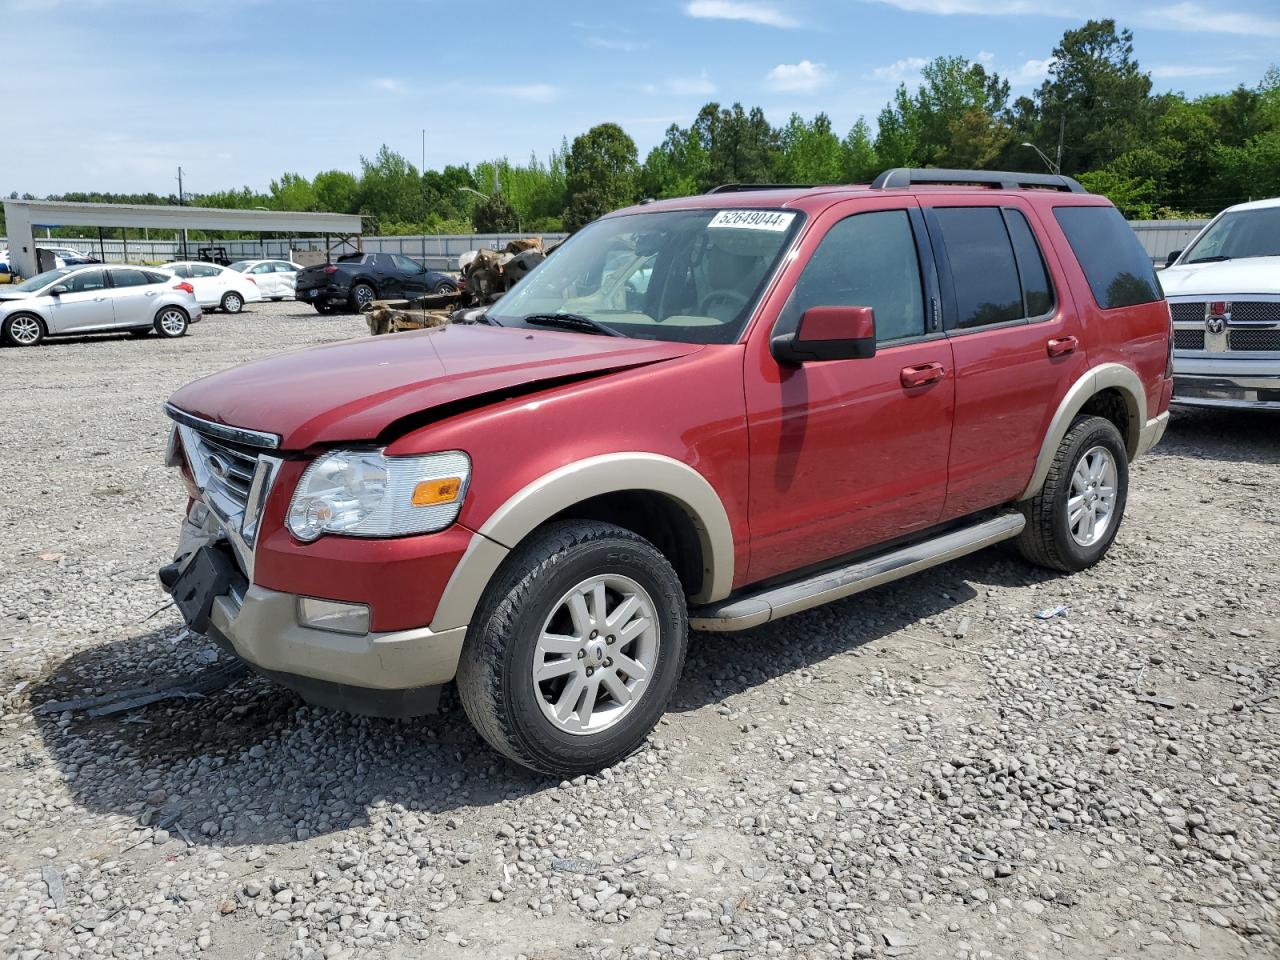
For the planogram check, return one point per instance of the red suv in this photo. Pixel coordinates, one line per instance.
(703, 413)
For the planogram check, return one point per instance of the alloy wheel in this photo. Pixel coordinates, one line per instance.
(25, 330)
(364, 295)
(173, 321)
(596, 654)
(1092, 497)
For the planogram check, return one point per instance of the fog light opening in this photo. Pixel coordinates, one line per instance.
(333, 616)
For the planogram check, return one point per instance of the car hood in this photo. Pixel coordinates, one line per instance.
(13, 294)
(1225, 278)
(356, 390)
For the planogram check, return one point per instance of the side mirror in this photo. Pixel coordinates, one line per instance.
(1172, 257)
(59, 290)
(829, 333)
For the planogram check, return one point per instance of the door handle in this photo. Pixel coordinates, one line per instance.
(922, 375)
(1061, 346)
(98, 299)
(152, 293)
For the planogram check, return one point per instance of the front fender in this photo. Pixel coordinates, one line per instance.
(573, 483)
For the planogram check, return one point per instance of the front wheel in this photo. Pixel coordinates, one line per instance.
(576, 648)
(1073, 520)
(232, 302)
(171, 322)
(22, 330)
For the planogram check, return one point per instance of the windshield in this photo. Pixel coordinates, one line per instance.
(685, 275)
(1243, 233)
(241, 265)
(41, 280)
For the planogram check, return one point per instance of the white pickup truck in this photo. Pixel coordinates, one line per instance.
(1224, 294)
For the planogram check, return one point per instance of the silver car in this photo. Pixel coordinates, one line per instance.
(96, 299)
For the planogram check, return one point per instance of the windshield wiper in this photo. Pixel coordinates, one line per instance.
(571, 321)
(1216, 258)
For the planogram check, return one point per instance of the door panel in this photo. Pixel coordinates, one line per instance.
(1008, 385)
(846, 454)
(87, 303)
(264, 276)
(133, 297)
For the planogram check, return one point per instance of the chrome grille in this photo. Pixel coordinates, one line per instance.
(1254, 339)
(1188, 339)
(1187, 312)
(230, 469)
(1255, 311)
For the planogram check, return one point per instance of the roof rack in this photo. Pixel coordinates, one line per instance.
(901, 177)
(741, 187)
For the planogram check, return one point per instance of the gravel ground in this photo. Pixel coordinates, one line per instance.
(923, 771)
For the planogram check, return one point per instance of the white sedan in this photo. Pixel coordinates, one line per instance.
(277, 279)
(217, 286)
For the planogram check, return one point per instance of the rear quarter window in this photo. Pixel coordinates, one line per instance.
(1119, 272)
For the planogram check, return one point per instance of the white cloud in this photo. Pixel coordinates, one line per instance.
(765, 14)
(1031, 71)
(900, 69)
(801, 77)
(611, 43)
(389, 84)
(1197, 19)
(534, 92)
(699, 86)
(1188, 70)
(985, 56)
(979, 7)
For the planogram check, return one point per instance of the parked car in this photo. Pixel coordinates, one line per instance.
(1224, 294)
(95, 299)
(811, 392)
(356, 279)
(217, 286)
(276, 279)
(70, 257)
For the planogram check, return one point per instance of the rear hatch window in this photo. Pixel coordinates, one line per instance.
(1119, 271)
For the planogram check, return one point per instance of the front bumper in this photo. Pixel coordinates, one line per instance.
(1227, 382)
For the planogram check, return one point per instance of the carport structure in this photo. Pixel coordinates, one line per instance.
(22, 215)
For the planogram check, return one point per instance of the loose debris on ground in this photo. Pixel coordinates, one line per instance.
(926, 770)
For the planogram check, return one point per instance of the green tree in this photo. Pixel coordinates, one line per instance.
(601, 174)
(1096, 94)
(390, 188)
(740, 145)
(858, 154)
(336, 191)
(676, 167)
(292, 192)
(495, 214)
(810, 152)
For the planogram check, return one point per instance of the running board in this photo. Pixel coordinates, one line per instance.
(742, 613)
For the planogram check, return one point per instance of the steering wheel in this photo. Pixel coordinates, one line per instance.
(723, 295)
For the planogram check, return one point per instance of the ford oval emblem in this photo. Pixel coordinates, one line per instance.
(217, 466)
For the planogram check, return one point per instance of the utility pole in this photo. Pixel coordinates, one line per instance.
(1062, 130)
(182, 202)
(422, 173)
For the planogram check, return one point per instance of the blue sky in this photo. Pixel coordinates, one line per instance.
(115, 94)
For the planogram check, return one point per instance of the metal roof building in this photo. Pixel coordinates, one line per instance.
(22, 215)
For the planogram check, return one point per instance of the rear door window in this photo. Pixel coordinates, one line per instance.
(1037, 290)
(205, 270)
(1119, 271)
(984, 271)
(181, 270)
(129, 278)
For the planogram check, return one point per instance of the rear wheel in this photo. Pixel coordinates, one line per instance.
(361, 295)
(445, 287)
(23, 330)
(1072, 522)
(171, 322)
(232, 302)
(576, 648)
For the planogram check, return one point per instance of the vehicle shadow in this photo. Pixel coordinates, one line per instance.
(1232, 436)
(252, 763)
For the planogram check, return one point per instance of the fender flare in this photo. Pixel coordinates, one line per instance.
(573, 483)
(1105, 376)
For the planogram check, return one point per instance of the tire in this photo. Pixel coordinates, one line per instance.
(361, 293)
(1092, 452)
(23, 330)
(232, 302)
(171, 322)
(528, 597)
(445, 287)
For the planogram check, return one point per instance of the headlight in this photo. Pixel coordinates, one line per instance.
(366, 494)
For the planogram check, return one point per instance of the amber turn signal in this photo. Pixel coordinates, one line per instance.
(430, 492)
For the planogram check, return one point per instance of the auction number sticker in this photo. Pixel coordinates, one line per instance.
(774, 220)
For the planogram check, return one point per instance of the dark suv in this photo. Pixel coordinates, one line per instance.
(704, 413)
(357, 279)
